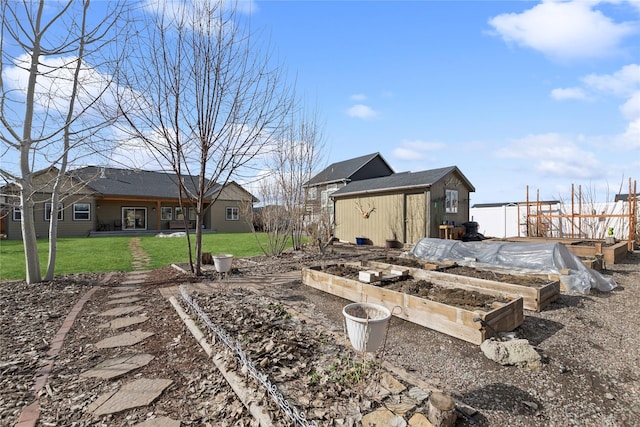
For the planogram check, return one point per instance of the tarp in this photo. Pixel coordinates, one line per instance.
(517, 258)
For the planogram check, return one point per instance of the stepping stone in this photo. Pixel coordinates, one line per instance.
(125, 294)
(112, 368)
(133, 282)
(401, 407)
(159, 422)
(128, 288)
(123, 340)
(120, 311)
(138, 393)
(391, 384)
(418, 394)
(124, 300)
(123, 322)
(383, 417)
(419, 420)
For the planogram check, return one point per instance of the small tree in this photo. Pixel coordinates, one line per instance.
(51, 94)
(211, 102)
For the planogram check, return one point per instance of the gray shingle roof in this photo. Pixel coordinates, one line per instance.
(402, 180)
(133, 183)
(343, 170)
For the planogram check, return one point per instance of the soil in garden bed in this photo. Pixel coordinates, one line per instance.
(461, 298)
(516, 279)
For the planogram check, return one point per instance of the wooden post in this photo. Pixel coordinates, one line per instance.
(441, 410)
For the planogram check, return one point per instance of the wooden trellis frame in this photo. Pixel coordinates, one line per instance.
(541, 218)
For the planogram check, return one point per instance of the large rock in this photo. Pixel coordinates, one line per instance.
(516, 352)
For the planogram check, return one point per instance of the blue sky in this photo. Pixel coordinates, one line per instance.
(543, 94)
(514, 93)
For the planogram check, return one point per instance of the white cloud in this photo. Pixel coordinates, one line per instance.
(623, 82)
(358, 97)
(564, 30)
(631, 109)
(416, 150)
(562, 94)
(554, 154)
(362, 111)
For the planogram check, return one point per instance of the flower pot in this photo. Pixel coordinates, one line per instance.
(222, 262)
(366, 325)
(361, 241)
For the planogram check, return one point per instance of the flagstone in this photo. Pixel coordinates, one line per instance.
(419, 420)
(125, 294)
(132, 395)
(383, 417)
(124, 300)
(123, 322)
(391, 384)
(123, 340)
(159, 422)
(112, 368)
(120, 311)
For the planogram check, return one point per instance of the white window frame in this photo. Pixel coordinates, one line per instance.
(47, 211)
(77, 214)
(166, 213)
(313, 193)
(192, 214)
(451, 202)
(17, 213)
(232, 213)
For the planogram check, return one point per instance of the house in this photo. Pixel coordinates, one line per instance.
(97, 200)
(337, 175)
(405, 206)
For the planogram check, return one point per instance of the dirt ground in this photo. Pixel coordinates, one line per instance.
(589, 344)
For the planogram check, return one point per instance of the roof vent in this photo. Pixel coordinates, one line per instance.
(102, 173)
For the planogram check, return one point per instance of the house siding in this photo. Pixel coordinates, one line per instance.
(382, 223)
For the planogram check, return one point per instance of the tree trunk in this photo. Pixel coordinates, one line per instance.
(29, 238)
(441, 410)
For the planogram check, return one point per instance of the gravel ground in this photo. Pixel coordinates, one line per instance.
(590, 372)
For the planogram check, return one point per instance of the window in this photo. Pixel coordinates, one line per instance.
(166, 213)
(452, 201)
(232, 213)
(17, 213)
(47, 211)
(81, 211)
(192, 214)
(313, 193)
(178, 213)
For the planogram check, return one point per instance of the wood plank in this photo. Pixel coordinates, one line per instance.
(444, 318)
(532, 296)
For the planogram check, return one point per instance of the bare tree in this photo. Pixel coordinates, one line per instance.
(291, 164)
(210, 100)
(55, 116)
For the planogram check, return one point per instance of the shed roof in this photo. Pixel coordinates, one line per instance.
(401, 181)
(344, 170)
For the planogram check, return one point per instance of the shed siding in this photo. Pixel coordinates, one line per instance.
(382, 223)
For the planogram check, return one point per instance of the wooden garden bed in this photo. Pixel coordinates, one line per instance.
(536, 296)
(455, 321)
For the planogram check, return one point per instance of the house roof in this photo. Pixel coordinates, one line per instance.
(625, 197)
(502, 204)
(133, 183)
(400, 181)
(344, 170)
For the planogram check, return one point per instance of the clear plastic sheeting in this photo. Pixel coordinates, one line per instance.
(517, 258)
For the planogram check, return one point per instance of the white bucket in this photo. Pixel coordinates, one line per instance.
(222, 262)
(366, 325)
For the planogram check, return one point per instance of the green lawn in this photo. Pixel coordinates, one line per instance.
(96, 254)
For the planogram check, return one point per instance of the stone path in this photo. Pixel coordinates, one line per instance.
(127, 299)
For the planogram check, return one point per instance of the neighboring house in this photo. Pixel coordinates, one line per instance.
(97, 199)
(337, 175)
(404, 206)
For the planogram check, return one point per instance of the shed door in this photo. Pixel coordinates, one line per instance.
(414, 217)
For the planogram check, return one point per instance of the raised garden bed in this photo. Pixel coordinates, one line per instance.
(537, 292)
(462, 320)
(612, 254)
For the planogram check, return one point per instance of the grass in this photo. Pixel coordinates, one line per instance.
(98, 254)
